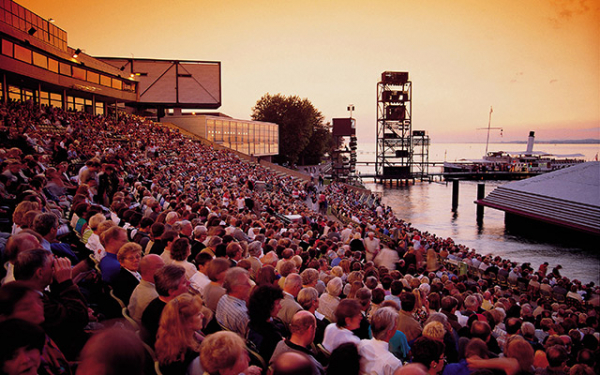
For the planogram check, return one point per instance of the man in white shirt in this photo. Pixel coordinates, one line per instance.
(200, 278)
(371, 246)
(376, 357)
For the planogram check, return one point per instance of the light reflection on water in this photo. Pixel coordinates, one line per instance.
(428, 207)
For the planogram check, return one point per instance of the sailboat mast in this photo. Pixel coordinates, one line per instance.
(487, 142)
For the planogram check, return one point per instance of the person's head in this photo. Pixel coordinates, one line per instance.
(34, 266)
(344, 360)
(480, 330)
(293, 284)
(19, 301)
(292, 363)
(476, 348)
(113, 238)
(24, 240)
(113, 351)
(264, 303)
(308, 298)
(310, 277)
(334, 287)
(516, 347)
(363, 296)
(557, 356)
(407, 301)
(223, 353)
(303, 327)
(429, 353)
(266, 275)
(216, 269)
(46, 224)
(383, 323)
(348, 314)
(170, 281)
(434, 330)
(96, 220)
(234, 251)
(237, 283)
(180, 249)
(21, 346)
(129, 256)
(449, 303)
(149, 264)
(513, 325)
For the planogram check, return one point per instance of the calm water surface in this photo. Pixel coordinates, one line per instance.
(428, 207)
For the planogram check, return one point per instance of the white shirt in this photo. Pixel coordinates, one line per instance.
(376, 358)
(199, 281)
(335, 336)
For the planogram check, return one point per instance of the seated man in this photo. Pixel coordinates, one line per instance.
(302, 328)
(65, 308)
(112, 239)
(145, 292)
(232, 312)
(170, 282)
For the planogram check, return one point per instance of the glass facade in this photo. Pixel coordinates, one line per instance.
(28, 56)
(248, 137)
(21, 18)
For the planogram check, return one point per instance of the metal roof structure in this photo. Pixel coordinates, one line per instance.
(568, 198)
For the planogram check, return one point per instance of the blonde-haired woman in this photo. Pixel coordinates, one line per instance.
(179, 337)
(224, 353)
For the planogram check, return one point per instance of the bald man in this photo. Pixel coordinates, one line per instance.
(145, 292)
(302, 329)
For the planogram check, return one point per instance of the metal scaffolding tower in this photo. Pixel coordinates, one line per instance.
(396, 142)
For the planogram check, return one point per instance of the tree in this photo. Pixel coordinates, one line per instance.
(302, 135)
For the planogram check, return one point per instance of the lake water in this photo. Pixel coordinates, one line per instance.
(428, 207)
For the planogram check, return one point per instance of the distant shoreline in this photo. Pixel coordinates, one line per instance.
(537, 141)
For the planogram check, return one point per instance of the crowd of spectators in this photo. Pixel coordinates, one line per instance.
(132, 248)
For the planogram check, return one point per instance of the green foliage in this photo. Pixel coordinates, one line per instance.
(302, 135)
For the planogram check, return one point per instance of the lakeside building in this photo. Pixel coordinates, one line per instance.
(37, 64)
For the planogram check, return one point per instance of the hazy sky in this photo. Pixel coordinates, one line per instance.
(537, 62)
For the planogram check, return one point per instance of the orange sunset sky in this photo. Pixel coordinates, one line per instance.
(537, 62)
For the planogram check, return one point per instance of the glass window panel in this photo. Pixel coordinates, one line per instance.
(78, 73)
(22, 54)
(93, 77)
(53, 65)
(105, 81)
(65, 69)
(117, 84)
(40, 60)
(7, 48)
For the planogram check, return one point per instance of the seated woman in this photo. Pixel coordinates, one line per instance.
(21, 347)
(329, 301)
(20, 302)
(265, 330)
(180, 251)
(179, 334)
(129, 257)
(215, 271)
(224, 353)
(348, 316)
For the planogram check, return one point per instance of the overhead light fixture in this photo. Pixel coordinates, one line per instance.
(32, 31)
(51, 20)
(77, 52)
